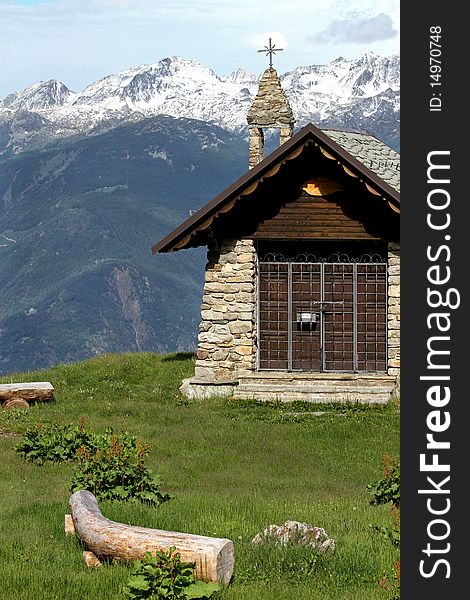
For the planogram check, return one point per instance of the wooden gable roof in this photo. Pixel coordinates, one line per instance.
(360, 156)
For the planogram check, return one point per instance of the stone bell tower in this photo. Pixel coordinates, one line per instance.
(270, 109)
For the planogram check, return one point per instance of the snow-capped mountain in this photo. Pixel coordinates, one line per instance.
(355, 93)
(41, 96)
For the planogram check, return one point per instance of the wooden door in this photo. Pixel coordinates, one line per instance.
(322, 316)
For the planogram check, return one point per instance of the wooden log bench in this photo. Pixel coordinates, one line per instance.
(214, 557)
(19, 395)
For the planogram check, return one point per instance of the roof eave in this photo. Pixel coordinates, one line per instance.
(308, 133)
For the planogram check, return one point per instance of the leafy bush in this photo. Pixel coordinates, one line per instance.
(111, 467)
(115, 470)
(387, 489)
(43, 443)
(166, 576)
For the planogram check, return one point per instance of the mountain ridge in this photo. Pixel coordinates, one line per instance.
(176, 86)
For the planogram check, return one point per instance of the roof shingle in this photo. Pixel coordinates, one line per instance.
(372, 153)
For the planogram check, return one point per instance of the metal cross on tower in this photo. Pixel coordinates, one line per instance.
(271, 49)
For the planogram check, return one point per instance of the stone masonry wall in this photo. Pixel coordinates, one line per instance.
(270, 108)
(394, 310)
(256, 146)
(226, 340)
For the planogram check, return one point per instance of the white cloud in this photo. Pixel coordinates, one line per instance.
(357, 30)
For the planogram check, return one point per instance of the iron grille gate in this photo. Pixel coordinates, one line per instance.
(322, 316)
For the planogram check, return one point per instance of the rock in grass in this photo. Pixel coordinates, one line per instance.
(296, 533)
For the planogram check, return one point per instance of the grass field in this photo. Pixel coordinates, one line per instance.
(232, 468)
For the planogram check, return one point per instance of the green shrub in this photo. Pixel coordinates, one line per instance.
(110, 466)
(387, 489)
(43, 443)
(166, 576)
(115, 470)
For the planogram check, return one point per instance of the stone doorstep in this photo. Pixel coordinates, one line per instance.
(288, 387)
(318, 377)
(316, 387)
(321, 383)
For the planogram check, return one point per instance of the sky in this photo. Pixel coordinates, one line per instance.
(80, 41)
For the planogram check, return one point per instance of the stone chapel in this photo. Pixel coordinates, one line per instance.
(301, 295)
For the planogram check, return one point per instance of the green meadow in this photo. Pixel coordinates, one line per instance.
(231, 467)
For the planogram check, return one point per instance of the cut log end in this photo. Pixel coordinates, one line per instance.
(15, 402)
